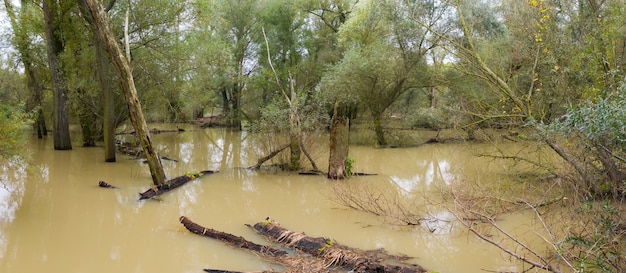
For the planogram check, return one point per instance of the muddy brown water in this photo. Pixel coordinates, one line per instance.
(54, 218)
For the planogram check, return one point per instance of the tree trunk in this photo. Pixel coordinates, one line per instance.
(615, 175)
(54, 43)
(128, 87)
(378, 128)
(104, 68)
(339, 145)
(235, 121)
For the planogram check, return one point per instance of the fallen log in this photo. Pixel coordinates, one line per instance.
(230, 239)
(301, 263)
(335, 254)
(171, 184)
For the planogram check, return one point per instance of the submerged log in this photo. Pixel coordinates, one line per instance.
(335, 254)
(103, 184)
(301, 263)
(230, 239)
(363, 174)
(319, 255)
(171, 184)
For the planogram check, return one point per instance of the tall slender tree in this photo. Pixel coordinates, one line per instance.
(103, 69)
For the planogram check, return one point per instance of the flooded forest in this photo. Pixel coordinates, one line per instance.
(233, 136)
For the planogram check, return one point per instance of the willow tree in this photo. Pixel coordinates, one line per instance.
(122, 66)
(237, 22)
(19, 23)
(385, 56)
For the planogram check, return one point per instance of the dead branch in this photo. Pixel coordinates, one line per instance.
(461, 207)
(268, 157)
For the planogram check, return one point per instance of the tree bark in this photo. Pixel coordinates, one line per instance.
(128, 87)
(339, 145)
(62, 140)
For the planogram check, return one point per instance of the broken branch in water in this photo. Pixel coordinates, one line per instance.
(171, 184)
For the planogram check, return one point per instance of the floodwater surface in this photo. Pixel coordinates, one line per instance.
(54, 217)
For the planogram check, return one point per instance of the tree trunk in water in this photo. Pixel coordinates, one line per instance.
(236, 104)
(62, 139)
(128, 87)
(378, 128)
(103, 67)
(339, 145)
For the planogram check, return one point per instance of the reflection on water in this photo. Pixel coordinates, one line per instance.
(54, 218)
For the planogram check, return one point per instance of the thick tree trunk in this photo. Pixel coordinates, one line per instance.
(339, 146)
(54, 43)
(128, 87)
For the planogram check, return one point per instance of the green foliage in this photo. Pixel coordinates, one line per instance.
(13, 123)
(601, 122)
(430, 118)
(349, 165)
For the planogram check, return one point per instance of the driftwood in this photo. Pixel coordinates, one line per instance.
(171, 184)
(319, 255)
(336, 254)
